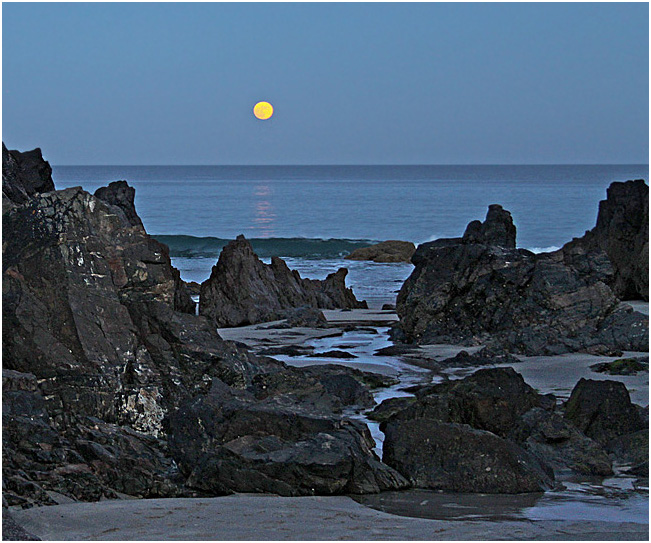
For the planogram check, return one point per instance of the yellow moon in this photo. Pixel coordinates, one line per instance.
(263, 110)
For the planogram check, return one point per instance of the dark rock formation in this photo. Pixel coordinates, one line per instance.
(385, 251)
(101, 347)
(498, 229)
(602, 410)
(622, 233)
(496, 414)
(622, 366)
(489, 399)
(465, 291)
(243, 290)
(88, 460)
(121, 195)
(547, 436)
(23, 175)
(224, 442)
(458, 458)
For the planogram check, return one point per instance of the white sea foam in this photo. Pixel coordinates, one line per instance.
(549, 249)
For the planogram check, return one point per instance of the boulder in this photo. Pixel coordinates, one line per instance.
(122, 196)
(225, 442)
(489, 399)
(471, 292)
(498, 229)
(24, 175)
(242, 290)
(622, 233)
(385, 251)
(457, 458)
(602, 410)
(547, 436)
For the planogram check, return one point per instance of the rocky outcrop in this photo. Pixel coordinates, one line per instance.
(475, 290)
(225, 441)
(498, 229)
(622, 233)
(491, 432)
(122, 196)
(23, 175)
(457, 458)
(385, 251)
(102, 348)
(603, 410)
(243, 290)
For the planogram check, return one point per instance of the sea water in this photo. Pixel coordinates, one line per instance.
(315, 215)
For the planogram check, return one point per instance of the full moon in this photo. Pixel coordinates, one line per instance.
(263, 110)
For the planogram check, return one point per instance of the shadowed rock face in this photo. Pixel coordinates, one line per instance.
(476, 289)
(491, 432)
(23, 175)
(121, 195)
(243, 290)
(603, 410)
(225, 441)
(101, 346)
(622, 233)
(498, 229)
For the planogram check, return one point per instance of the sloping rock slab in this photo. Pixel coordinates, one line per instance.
(230, 443)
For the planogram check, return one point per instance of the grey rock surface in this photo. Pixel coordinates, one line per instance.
(476, 290)
(242, 290)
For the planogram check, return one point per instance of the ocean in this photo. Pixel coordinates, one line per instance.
(314, 215)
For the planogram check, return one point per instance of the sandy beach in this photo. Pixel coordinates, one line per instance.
(263, 517)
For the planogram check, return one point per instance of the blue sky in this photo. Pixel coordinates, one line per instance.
(350, 83)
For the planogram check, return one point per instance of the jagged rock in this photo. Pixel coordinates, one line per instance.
(473, 293)
(122, 196)
(489, 399)
(79, 287)
(101, 345)
(602, 410)
(385, 251)
(23, 175)
(457, 458)
(93, 460)
(333, 354)
(225, 442)
(622, 233)
(498, 229)
(562, 446)
(243, 290)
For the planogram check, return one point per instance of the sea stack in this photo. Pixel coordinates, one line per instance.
(243, 290)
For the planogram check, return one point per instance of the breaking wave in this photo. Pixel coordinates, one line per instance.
(203, 247)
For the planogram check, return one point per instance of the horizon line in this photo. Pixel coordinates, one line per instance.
(362, 165)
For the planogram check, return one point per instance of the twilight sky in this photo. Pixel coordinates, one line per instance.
(350, 83)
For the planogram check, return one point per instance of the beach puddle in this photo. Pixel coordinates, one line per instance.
(616, 499)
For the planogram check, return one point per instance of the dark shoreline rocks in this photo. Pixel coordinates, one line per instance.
(622, 233)
(479, 289)
(102, 347)
(385, 251)
(242, 290)
(491, 432)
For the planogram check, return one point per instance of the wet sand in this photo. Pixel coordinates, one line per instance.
(264, 517)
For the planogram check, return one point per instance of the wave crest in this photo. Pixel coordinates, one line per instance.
(203, 247)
